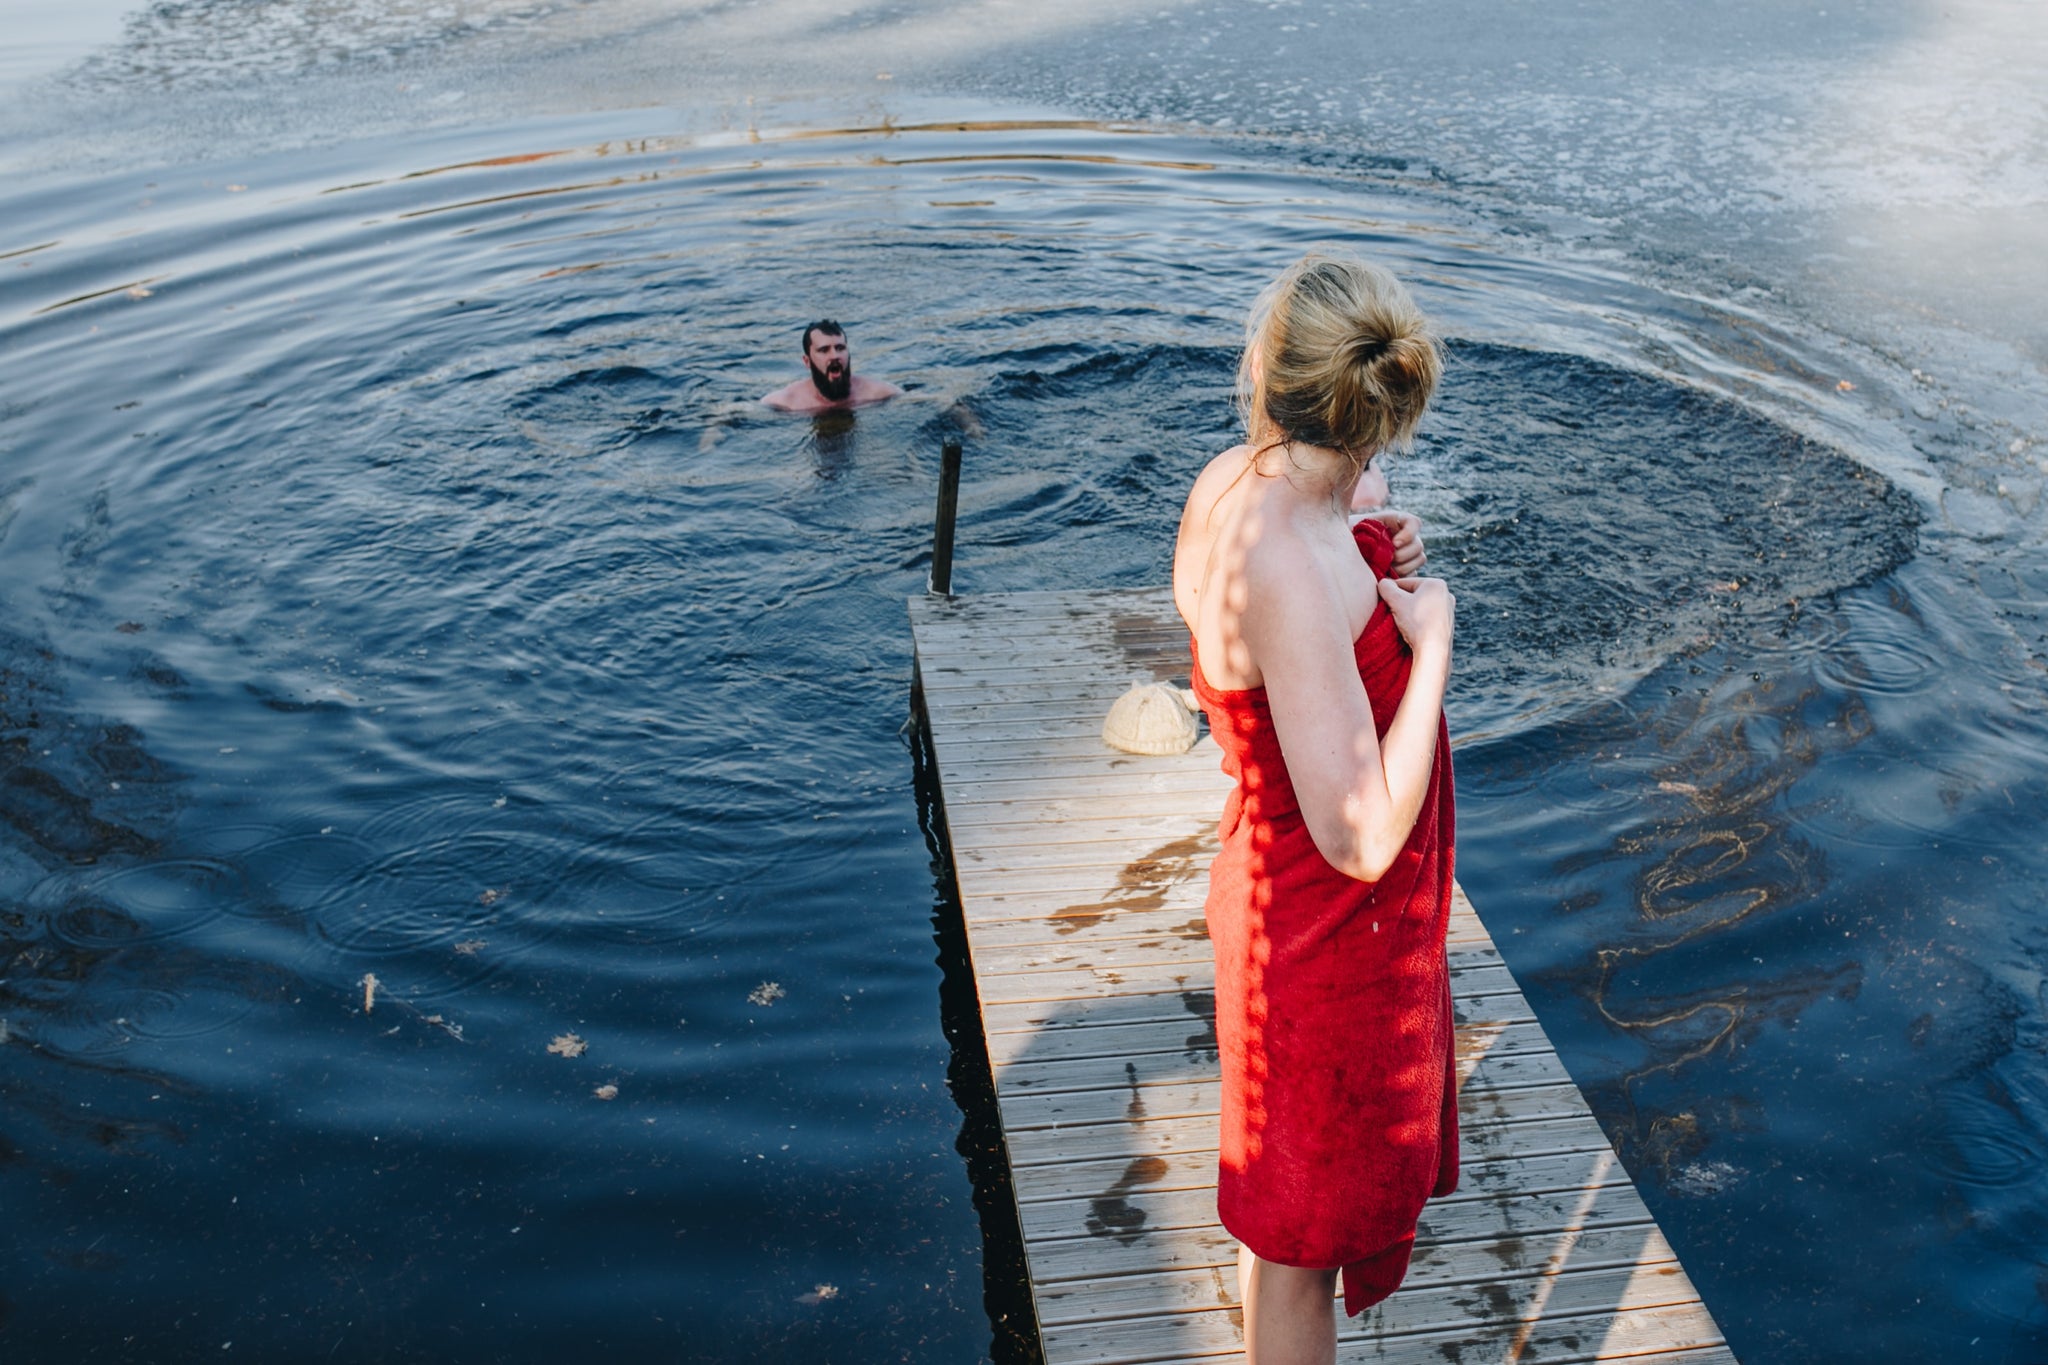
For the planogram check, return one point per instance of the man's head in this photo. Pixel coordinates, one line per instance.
(826, 355)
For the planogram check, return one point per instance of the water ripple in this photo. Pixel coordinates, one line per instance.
(511, 655)
(152, 902)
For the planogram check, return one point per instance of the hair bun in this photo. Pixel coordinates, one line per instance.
(1366, 348)
(1344, 357)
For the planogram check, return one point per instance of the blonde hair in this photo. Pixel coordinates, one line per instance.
(1336, 354)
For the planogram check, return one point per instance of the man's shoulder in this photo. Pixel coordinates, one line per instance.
(788, 398)
(868, 390)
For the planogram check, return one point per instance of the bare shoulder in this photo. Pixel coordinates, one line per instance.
(786, 398)
(867, 390)
(1198, 520)
(1215, 479)
(1196, 535)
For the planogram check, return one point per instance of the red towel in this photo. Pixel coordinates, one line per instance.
(1333, 1001)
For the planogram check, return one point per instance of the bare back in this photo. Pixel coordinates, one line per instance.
(1244, 546)
(1270, 582)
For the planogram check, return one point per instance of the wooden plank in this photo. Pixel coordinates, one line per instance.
(1091, 654)
(1088, 607)
(986, 782)
(1073, 750)
(1193, 1033)
(1171, 887)
(1150, 624)
(1490, 1314)
(1062, 748)
(1089, 870)
(1137, 1218)
(1082, 876)
(1053, 654)
(1134, 1076)
(1054, 756)
(1584, 1167)
(1099, 812)
(1097, 915)
(1185, 1099)
(1091, 953)
(1076, 732)
(1177, 1234)
(1626, 1332)
(1195, 999)
(978, 643)
(1058, 663)
(1179, 916)
(1434, 1265)
(1140, 621)
(992, 838)
(1067, 713)
(1164, 881)
(1158, 1136)
(1086, 863)
(1617, 1334)
(1168, 969)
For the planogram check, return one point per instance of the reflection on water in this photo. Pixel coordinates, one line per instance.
(1710, 848)
(402, 584)
(186, 44)
(1746, 952)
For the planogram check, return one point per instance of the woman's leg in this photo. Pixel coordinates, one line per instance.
(1290, 1315)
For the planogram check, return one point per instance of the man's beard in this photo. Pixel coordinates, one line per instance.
(835, 389)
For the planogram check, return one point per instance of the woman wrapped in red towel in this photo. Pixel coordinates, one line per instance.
(1321, 661)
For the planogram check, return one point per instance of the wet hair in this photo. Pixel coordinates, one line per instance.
(1342, 357)
(825, 325)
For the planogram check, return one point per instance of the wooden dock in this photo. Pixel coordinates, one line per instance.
(1082, 874)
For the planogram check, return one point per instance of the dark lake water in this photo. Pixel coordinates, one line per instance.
(397, 584)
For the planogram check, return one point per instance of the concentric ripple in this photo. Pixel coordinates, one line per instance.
(524, 699)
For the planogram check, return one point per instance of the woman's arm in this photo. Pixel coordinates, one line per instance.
(1359, 797)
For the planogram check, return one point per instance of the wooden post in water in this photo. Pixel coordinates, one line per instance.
(941, 583)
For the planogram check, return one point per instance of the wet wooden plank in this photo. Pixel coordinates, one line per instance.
(1082, 876)
(1141, 1218)
(1195, 997)
(1174, 1237)
(1477, 1103)
(1135, 1074)
(1110, 975)
(1451, 1265)
(1161, 1135)
(1195, 1032)
(1624, 1332)
(1584, 1165)
(1157, 901)
(1477, 970)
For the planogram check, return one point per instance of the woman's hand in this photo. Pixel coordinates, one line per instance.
(1406, 528)
(1424, 611)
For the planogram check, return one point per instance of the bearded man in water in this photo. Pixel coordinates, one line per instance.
(831, 385)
